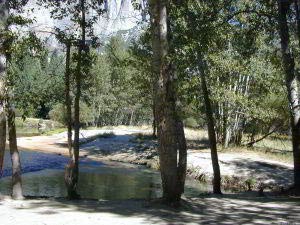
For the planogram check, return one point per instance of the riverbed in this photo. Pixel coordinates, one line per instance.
(43, 175)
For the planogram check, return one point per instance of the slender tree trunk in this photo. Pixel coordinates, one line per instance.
(2, 111)
(3, 18)
(6, 103)
(131, 117)
(212, 136)
(70, 177)
(296, 5)
(68, 99)
(172, 144)
(154, 122)
(2, 135)
(78, 77)
(292, 88)
(17, 192)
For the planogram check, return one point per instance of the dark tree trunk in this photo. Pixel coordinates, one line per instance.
(70, 177)
(15, 157)
(172, 144)
(74, 167)
(2, 111)
(17, 192)
(292, 87)
(3, 17)
(212, 136)
(6, 100)
(296, 4)
(68, 98)
(2, 136)
(154, 122)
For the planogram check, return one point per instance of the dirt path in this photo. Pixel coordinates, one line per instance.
(204, 210)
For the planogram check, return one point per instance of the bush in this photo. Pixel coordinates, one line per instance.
(191, 122)
(59, 114)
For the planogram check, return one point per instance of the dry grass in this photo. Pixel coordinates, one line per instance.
(275, 144)
(285, 157)
(144, 128)
(195, 134)
(275, 148)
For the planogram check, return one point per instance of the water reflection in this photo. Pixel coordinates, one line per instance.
(43, 175)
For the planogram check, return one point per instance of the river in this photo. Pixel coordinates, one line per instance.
(43, 175)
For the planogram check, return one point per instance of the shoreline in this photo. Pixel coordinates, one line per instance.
(240, 172)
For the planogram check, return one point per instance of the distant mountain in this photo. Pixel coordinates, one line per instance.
(121, 18)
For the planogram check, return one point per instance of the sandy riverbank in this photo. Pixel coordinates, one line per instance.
(236, 168)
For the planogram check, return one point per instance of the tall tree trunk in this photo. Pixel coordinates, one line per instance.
(68, 98)
(17, 192)
(6, 103)
(78, 77)
(292, 87)
(3, 18)
(172, 144)
(212, 136)
(296, 5)
(2, 110)
(2, 134)
(70, 177)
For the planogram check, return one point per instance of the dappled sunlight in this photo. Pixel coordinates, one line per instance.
(229, 209)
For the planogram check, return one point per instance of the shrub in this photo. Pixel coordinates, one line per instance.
(58, 114)
(191, 122)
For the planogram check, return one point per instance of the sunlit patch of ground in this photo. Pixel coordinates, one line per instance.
(227, 209)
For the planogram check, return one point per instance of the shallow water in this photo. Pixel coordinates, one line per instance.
(43, 175)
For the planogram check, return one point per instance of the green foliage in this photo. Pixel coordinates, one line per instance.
(113, 88)
(233, 42)
(58, 113)
(191, 122)
(38, 82)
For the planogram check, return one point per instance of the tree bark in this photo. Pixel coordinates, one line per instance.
(74, 165)
(2, 110)
(71, 177)
(154, 122)
(288, 62)
(2, 135)
(68, 98)
(212, 136)
(6, 103)
(172, 144)
(3, 18)
(17, 192)
(296, 5)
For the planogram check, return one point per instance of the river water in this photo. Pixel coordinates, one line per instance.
(43, 175)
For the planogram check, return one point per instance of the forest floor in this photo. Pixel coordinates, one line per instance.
(241, 170)
(209, 209)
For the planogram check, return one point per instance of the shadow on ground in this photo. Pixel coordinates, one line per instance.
(280, 174)
(118, 144)
(227, 209)
(129, 143)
